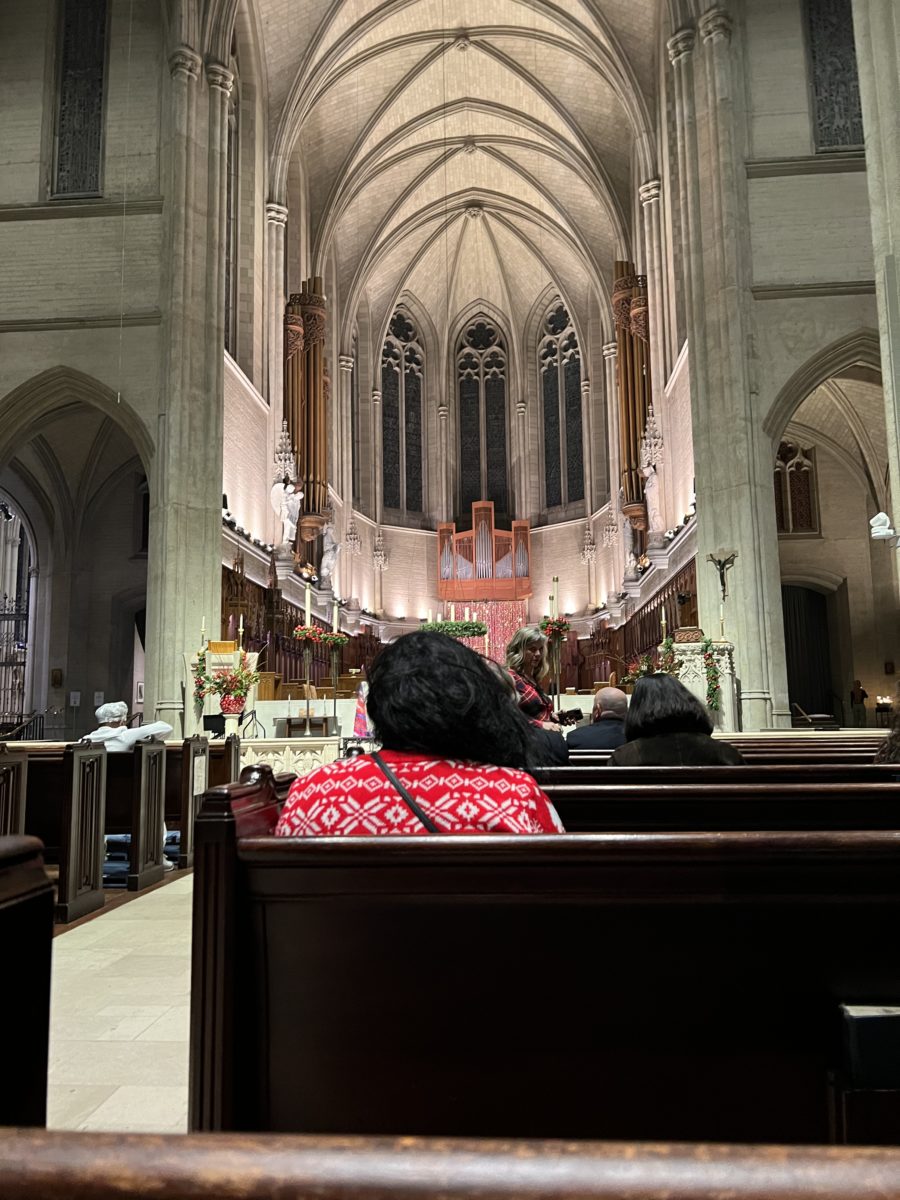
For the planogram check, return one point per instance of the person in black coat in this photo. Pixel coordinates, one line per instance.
(607, 728)
(668, 727)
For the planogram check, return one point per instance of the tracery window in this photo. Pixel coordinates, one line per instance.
(402, 377)
(837, 114)
(559, 365)
(796, 499)
(81, 96)
(481, 364)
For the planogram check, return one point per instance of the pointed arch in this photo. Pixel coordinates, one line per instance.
(25, 407)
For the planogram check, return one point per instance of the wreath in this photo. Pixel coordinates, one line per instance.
(308, 633)
(555, 628)
(456, 629)
(335, 640)
(713, 675)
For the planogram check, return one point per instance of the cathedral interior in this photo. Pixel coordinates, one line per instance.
(529, 300)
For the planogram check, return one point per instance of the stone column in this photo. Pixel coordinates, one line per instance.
(587, 437)
(276, 222)
(876, 26)
(733, 472)
(610, 351)
(377, 463)
(184, 558)
(344, 466)
(523, 500)
(650, 194)
(444, 449)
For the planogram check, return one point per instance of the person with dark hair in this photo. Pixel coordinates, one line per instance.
(666, 726)
(452, 751)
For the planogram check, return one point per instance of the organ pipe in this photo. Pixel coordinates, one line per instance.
(630, 312)
(306, 400)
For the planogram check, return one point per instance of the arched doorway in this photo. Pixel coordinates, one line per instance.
(830, 478)
(77, 480)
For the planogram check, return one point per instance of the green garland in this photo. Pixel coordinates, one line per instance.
(456, 629)
(668, 663)
(713, 675)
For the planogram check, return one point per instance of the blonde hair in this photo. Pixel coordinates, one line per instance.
(521, 640)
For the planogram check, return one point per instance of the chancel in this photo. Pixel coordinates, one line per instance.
(567, 332)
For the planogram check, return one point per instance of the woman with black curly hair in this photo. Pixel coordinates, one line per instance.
(452, 751)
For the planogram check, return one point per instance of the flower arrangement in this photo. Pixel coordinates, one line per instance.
(713, 674)
(668, 663)
(334, 640)
(456, 629)
(308, 633)
(555, 628)
(234, 681)
(638, 668)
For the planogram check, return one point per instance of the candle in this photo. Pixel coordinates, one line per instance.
(203, 632)
(662, 623)
(430, 616)
(308, 605)
(452, 612)
(467, 614)
(241, 628)
(335, 627)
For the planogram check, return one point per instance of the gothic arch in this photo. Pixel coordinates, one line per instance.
(860, 348)
(24, 408)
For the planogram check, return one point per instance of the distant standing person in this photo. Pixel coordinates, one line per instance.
(858, 698)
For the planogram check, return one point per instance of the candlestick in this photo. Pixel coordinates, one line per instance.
(722, 621)
(662, 624)
(308, 605)
(335, 627)
(203, 633)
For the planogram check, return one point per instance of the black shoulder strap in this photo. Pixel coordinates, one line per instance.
(413, 806)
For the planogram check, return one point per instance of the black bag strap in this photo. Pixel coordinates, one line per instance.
(411, 804)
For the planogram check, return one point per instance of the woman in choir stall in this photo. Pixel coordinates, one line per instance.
(453, 749)
(528, 662)
(667, 726)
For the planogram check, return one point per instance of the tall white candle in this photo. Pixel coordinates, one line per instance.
(241, 628)
(334, 617)
(467, 614)
(452, 612)
(430, 616)
(203, 632)
(308, 605)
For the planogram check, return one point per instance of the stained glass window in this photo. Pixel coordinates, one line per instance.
(559, 365)
(837, 113)
(402, 378)
(796, 500)
(82, 83)
(481, 361)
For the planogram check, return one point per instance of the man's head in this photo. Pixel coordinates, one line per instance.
(114, 714)
(610, 702)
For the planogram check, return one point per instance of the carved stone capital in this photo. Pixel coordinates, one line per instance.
(650, 191)
(714, 24)
(220, 78)
(276, 214)
(345, 362)
(184, 63)
(681, 44)
(610, 349)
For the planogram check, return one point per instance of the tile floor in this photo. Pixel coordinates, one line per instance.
(120, 997)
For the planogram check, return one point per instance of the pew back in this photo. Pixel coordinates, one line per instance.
(13, 786)
(26, 933)
(112, 1166)
(650, 986)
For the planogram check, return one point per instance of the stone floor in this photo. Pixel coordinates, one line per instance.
(119, 1017)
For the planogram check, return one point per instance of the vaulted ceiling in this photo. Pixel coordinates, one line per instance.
(463, 149)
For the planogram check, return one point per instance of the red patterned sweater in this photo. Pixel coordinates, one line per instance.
(352, 797)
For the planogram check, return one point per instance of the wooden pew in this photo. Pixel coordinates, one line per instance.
(26, 933)
(113, 1166)
(640, 986)
(135, 800)
(66, 809)
(193, 766)
(13, 785)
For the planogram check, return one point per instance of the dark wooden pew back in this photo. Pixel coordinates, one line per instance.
(107, 1166)
(135, 799)
(26, 933)
(646, 986)
(13, 789)
(66, 809)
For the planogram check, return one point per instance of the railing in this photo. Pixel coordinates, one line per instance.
(16, 727)
(482, 563)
